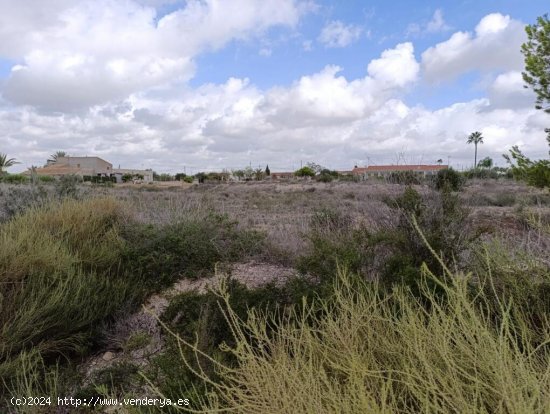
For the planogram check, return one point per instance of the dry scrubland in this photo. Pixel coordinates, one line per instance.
(341, 297)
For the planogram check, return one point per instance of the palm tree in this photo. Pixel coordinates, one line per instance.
(6, 162)
(56, 155)
(475, 138)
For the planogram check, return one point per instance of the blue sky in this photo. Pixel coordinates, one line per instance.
(220, 84)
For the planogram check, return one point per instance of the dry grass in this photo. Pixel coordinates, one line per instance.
(384, 353)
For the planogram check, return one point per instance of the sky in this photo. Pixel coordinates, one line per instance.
(206, 85)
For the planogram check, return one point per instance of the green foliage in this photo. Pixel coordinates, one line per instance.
(537, 61)
(334, 242)
(199, 318)
(449, 179)
(188, 179)
(486, 162)
(305, 172)
(475, 138)
(326, 175)
(58, 280)
(46, 179)
(127, 177)
(534, 173)
(67, 186)
(190, 247)
(6, 162)
(381, 352)
(404, 178)
(162, 177)
(14, 179)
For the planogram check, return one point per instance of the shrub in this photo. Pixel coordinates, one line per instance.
(14, 178)
(67, 186)
(199, 318)
(404, 177)
(305, 172)
(46, 179)
(448, 179)
(190, 247)
(58, 280)
(373, 352)
(334, 242)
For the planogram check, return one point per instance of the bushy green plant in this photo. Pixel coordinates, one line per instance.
(14, 179)
(305, 172)
(378, 352)
(334, 241)
(67, 186)
(534, 173)
(448, 178)
(190, 247)
(199, 318)
(59, 278)
(404, 177)
(46, 179)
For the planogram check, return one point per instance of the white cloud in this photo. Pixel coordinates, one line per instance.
(437, 24)
(508, 91)
(137, 110)
(90, 52)
(396, 67)
(338, 34)
(494, 46)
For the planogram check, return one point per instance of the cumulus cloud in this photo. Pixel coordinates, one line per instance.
(79, 53)
(508, 91)
(495, 45)
(338, 34)
(137, 110)
(437, 23)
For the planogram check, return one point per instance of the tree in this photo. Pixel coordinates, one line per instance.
(267, 171)
(535, 173)
(475, 138)
(486, 162)
(537, 61)
(440, 161)
(6, 162)
(305, 172)
(56, 155)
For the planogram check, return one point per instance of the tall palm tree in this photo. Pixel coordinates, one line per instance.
(6, 162)
(475, 138)
(56, 155)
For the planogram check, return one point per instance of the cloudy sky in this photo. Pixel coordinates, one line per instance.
(213, 84)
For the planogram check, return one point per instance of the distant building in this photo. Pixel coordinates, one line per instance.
(88, 167)
(372, 171)
(281, 175)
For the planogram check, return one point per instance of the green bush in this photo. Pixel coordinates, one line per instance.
(14, 179)
(199, 318)
(381, 352)
(67, 186)
(448, 179)
(46, 179)
(59, 278)
(190, 247)
(305, 172)
(334, 242)
(404, 177)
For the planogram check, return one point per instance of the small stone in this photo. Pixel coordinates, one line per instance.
(108, 356)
